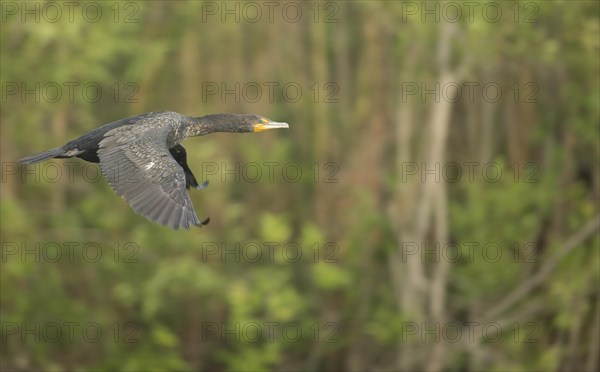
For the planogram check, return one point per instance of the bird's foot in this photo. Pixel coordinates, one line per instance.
(203, 185)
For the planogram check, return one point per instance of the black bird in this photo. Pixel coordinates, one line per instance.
(143, 161)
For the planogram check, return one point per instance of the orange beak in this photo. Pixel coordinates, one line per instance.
(267, 124)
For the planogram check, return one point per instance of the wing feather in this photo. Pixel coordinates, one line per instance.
(139, 167)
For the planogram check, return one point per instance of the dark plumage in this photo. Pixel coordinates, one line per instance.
(143, 161)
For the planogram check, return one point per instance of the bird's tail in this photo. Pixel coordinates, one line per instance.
(42, 156)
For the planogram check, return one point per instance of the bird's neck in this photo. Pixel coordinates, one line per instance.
(203, 125)
(196, 127)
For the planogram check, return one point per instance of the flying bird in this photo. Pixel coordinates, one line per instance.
(144, 162)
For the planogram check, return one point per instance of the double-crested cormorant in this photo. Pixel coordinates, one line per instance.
(143, 161)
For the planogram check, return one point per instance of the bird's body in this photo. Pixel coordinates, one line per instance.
(144, 162)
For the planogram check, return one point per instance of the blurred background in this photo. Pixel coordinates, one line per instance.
(433, 206)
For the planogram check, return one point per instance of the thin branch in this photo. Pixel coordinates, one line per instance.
(577, 239)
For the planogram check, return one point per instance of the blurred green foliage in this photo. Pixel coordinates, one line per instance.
(216, 298)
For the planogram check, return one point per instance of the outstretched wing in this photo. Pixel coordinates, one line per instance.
(138, 166)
